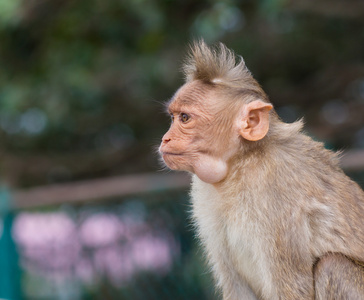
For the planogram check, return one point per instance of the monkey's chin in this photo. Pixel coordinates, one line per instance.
(172, 161)
(210, 170)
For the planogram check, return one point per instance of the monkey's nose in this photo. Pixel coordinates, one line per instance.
(166, 138)
(165, 141)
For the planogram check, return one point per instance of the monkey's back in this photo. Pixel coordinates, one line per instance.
(331, 203)
(291, 203)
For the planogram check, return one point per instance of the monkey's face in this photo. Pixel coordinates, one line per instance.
(194, 142)
(207, 127)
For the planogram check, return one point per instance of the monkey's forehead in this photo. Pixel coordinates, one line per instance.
(191, 94)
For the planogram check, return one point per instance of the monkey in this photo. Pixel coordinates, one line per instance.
(276, 215)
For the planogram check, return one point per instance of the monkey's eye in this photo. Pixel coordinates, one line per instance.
(184, 117)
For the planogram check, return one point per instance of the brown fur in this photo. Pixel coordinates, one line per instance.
(339, 278)
(279, 219)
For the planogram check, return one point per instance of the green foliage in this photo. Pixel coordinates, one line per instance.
(82, 79)
(82, 85)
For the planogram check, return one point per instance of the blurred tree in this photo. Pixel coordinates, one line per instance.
(82, 82)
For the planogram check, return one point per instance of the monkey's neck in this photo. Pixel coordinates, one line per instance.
(285, 156)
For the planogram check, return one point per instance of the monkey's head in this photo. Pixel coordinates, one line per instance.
(217, 110)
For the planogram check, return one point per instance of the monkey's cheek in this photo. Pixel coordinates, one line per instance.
(211, 170)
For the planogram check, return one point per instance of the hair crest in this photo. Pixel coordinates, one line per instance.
(220, 66)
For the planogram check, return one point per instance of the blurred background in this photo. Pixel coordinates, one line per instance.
(85, 210)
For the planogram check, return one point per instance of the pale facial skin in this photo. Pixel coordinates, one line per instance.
(192, 143)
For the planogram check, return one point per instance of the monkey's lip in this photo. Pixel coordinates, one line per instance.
(171, 153)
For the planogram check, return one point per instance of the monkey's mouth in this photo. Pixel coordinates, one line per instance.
(171, 160)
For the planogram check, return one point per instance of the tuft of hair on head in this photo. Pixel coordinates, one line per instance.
(211, 64)
(219, 65)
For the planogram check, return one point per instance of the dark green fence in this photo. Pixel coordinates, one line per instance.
(132, 247)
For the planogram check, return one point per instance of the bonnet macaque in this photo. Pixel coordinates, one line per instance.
(276, 215)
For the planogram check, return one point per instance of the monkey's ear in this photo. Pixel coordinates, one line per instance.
(254, 124)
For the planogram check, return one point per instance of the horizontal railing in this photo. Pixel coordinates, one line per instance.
(98, 189)
(120, 186)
